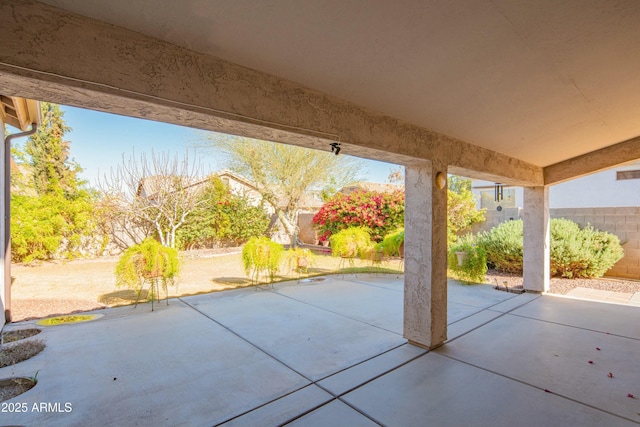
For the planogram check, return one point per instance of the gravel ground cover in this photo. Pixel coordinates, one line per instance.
(563, 286)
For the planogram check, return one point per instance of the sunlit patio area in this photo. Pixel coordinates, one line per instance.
(331, 352)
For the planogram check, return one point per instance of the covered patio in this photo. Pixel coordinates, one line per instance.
(331, 352)
(528, 94)
(520, 93)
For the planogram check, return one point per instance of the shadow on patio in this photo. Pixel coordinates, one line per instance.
(332, 353)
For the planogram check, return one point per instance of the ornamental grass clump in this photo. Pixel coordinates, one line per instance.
(390, 245)
(147, 262)
(262, 256)
(351, 242)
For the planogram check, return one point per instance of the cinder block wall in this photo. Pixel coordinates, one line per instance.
(623, 222)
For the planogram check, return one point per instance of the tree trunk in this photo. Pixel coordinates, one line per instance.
(289, 225)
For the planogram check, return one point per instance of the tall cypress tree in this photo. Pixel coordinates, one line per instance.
(52, 171)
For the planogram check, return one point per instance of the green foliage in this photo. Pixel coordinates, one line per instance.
(147, 262)
(351, 242)
(574, 252)
(390, 245)
(583, 252)
(261, 255)
(50, 225)
(52, 214)
(221, 217)
(300, 259)
(381, 213)
(461, 208)
(474, 260)
(52, 171)
(284, 174)
(503, 246)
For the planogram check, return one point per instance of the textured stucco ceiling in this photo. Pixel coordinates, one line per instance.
(539, 80)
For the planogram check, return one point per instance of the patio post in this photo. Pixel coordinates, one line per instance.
(536, 239)
(425, 248)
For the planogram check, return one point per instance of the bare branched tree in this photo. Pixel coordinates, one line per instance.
(150, 196)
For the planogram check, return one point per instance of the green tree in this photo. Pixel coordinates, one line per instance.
(461, 208)
(284, 174)
(48, 155)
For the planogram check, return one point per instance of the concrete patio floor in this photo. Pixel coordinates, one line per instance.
(331, 352)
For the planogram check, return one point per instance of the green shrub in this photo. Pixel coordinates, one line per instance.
(574, 252)
(474, 264)
(221, 218)
(351, 242)
(145, 263)
(503, 246)
(378, 212)
(262, 256)
(51, 226)
(583, 252)
(390, 245)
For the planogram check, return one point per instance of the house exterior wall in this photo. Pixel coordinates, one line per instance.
(600, 190)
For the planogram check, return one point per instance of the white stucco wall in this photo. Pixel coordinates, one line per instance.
(600, 190)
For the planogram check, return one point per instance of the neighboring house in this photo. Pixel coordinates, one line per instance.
(607, 200)
(19, 114)
(152, 186)
(243, 187)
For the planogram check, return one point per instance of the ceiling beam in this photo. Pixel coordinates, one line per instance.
(67, 58)
(595, 161)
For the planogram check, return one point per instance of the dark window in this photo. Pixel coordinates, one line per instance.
(627, 175)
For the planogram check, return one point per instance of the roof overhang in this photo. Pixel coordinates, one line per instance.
(19, 112)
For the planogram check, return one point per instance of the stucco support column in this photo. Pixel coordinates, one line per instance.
(425, 251)
(536, 239)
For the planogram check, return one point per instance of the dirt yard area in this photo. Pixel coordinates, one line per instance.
(54, 288)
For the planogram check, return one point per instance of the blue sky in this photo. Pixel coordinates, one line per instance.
(98, 141)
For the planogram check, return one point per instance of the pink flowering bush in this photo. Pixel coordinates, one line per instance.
(380, 213)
